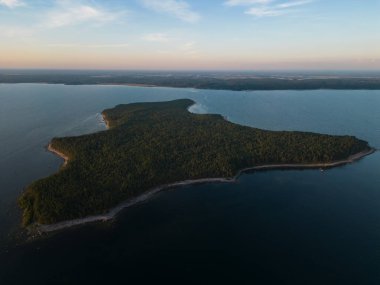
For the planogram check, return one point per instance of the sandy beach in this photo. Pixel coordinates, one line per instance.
(106, 122)
(58, 153)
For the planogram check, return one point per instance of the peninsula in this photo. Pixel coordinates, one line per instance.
(149, 146)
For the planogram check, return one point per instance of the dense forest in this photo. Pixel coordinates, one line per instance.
(151, 144)
(205, 80)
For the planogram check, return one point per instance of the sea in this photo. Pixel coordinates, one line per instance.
(270, 227)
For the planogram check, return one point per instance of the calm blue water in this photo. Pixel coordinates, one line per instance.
(274, 227)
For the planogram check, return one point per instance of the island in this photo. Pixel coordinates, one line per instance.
(151, 146)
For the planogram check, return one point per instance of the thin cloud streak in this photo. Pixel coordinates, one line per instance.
(69, 13)
(12, 3)
(246, 2)
(95, 46)
(268, 8)
(294, 4)
(15, 32)
(266, 12)
(156, 37)
(176, 8)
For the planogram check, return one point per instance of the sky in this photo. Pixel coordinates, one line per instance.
(190, 34)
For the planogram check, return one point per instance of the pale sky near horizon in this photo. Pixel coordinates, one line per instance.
(190, 34)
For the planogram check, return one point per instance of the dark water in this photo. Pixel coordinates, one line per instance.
(274, 227)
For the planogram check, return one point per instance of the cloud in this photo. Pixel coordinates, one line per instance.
(121, 45)
(94, 46)
(12, 3)
(189, 49)
(156, 37)
(268, 8)
(15, 32)
(246, 2)
(265, 12)
(177, 8)
(70, 13)
(294, 4)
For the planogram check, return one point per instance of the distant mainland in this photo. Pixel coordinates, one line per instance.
(152, 146)
(237, 81)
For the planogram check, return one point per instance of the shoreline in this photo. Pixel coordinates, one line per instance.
(59, 154)
(116, 84)
(195, 87)
(64, 156)
(113, 212)
(105, 121)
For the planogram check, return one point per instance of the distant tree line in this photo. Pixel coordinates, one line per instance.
(200, 81)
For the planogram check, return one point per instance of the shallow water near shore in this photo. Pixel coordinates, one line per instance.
(288, 227)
